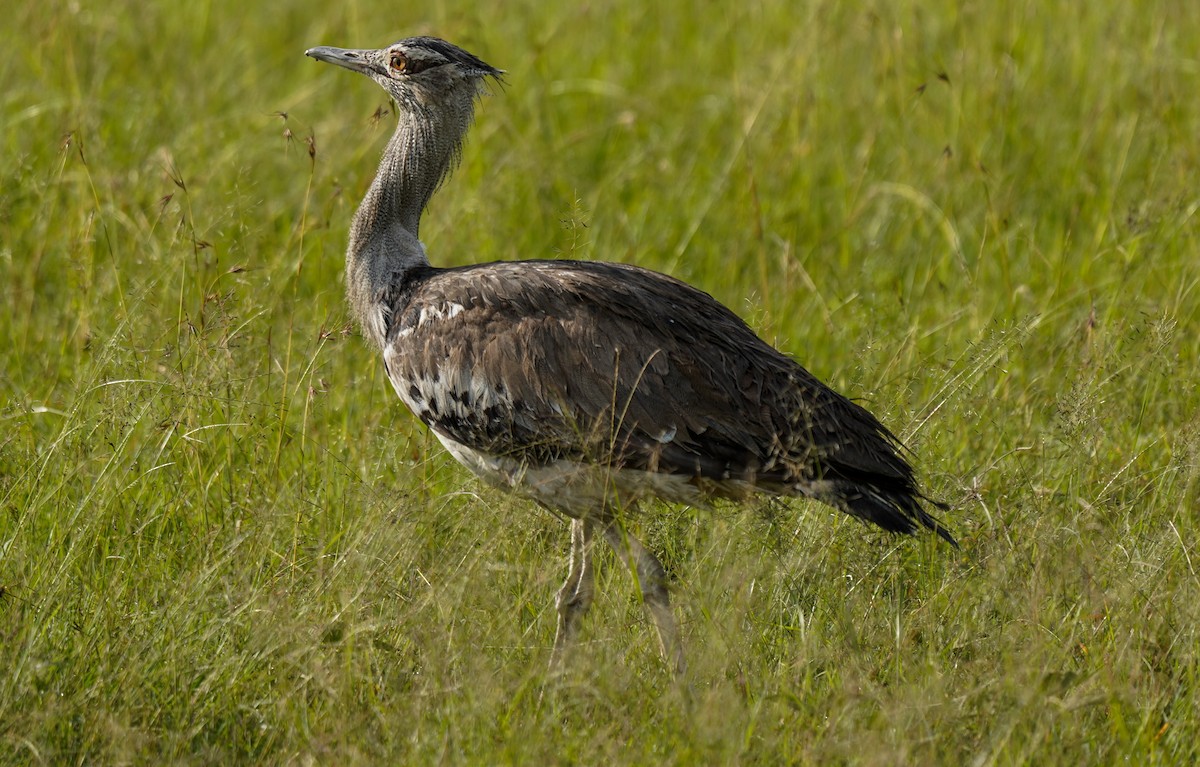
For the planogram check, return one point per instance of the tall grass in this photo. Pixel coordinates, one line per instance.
(222, 540)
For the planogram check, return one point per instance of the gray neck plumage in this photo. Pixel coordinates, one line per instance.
(384, 247)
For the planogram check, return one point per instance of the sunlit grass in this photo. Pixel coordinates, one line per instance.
(222, 540)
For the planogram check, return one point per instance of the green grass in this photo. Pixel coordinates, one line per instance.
(222, 539)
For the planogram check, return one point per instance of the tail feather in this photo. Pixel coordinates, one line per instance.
(897, 510)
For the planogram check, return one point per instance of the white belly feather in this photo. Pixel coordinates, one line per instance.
(573, 487)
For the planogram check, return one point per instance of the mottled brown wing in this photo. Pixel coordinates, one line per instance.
(621, 366)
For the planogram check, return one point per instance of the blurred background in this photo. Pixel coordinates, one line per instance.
(223, 540)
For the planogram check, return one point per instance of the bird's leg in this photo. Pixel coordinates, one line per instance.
(575, 597)
(652, 579)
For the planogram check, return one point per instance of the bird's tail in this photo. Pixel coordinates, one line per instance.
(897, 510)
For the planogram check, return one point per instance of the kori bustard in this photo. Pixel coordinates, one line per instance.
(589, 386)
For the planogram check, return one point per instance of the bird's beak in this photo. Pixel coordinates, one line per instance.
(354, 60)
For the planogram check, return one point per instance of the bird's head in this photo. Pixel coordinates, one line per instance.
(419, 72)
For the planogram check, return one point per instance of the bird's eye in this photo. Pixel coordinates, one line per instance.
(398, 63)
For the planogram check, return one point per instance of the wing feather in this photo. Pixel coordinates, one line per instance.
(621, 366)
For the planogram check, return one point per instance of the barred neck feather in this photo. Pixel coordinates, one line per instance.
(384, 245)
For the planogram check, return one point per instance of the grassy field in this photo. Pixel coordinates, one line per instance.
(223, 540)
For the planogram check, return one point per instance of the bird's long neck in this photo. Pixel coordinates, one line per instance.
(413, 164)
(384, 246)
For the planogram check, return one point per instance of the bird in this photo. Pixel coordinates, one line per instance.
(589, 387)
